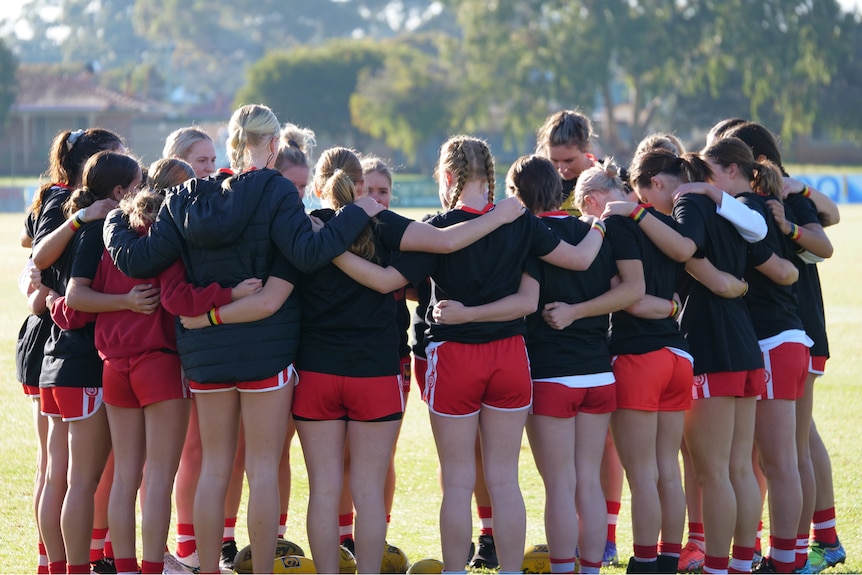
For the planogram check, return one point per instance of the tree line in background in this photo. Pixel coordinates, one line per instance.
(410, 72)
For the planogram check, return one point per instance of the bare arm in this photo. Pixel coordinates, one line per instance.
(423, 237)
(36, 301)
(809, 237)
(254, 307)
(654, 307)
(630, 289)
(371, 275)
(672, 244)
(142, 298)
(49, 250)
(581, 256)
(779, 270)
(718, 282)
(517, 305)
(827, 210)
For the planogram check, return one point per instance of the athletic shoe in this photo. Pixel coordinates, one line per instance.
(486, 554)
(190, 564)
(349, 545)
(691, 558)
(470, 553)
(756, 560)
(228, 553)
(822, 556)
(806, 569)
(765, 566)
(610, 556)
(103, 565)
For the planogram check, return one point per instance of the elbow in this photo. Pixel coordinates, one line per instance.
(635, 293)
(40, 260)
(271, 305)
(789, 276)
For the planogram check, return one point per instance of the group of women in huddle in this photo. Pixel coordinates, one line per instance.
(669, 313)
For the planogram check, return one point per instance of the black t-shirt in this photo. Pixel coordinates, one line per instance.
(71, 359)
(51, 217)
(808, 290)
(484, 272)
(582, 347)
(772, 306)
(631, 334)
(348, 329)
(718, 330)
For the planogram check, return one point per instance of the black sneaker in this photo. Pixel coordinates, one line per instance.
(765, 566)
(349, 545)
(486, 554)
(104, 565)
(228, 554)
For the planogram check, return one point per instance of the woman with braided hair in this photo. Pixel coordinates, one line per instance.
(478, 378)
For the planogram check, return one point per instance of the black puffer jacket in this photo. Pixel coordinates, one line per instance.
(226, 232)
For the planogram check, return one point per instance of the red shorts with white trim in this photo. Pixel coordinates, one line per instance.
(327, 397)
(420, 367)
(786, 369)
(557, 400)
(135, 382)
(749, 383)
(464, 377)
(273, 383)
(406, 371)
(656, 381)
(31, 390)
(817, 364)
(70, 403)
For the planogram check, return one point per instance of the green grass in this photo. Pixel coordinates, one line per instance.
(414, 519)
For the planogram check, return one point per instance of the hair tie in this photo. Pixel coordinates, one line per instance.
(73, 137)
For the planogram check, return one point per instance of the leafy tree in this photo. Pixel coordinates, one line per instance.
(407, 101)
(312, 86)
(8, 82)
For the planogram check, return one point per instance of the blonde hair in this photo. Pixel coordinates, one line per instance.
(142, 208)
(250, 127)
(468, 159)
(601, 178)
(294, 147)
(662, 141)
(336, 174)
(167, 173)
(564, 128)
(373, 164)
(179, 142)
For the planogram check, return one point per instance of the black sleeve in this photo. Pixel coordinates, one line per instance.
(417, 267)
(543, 240)
(625, 238)
(88, 251)
(50, 217)
(291, 230)
(281, 268)
(143, 256)
(391, 228)
(802, 208)
(689, 221)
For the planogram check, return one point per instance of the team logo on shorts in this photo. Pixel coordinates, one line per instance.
(91, 391)
(700, 380)
(767, 376)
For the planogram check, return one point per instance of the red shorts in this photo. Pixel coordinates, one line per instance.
(327, 397)
(749, 383)
(272, 383)
(817, 364)
(405, 374)
(139, 381)
(786, 369)
(420, 366)
(70, 403)
(31, 390)
(656, 381)
(558, 400)
(463, 377)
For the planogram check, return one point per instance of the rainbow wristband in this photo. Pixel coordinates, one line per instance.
(213, 316)
(638, 214)
(597, 225)
(795, 232)
(806, 192)
(76, 223)
(674, 308)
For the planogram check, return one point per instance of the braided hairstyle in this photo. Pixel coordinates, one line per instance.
(468, 159)
(249, 127)
(336, 174)
(102, 173)
(69, 152)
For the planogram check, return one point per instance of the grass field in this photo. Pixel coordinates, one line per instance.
(414, 519)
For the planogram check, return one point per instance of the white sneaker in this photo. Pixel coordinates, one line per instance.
(177, 566)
